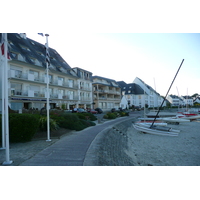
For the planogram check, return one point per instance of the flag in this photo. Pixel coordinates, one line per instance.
(41, 34)
(3, 47)
(47, 56)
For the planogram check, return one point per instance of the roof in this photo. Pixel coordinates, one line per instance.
(148, 86)
(187, 97)
(110, 82)
(131, 88)
(31, 50)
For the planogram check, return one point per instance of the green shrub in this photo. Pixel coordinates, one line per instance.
(22, 127)
(43, 124)
(110, 115)
(105, 116)
(122, 113)
(73, 121)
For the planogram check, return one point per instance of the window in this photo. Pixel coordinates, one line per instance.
(25, 48)
(61, 92)
(70, 83)
(17, 73)
(17, 88)
(81, 74)
(10, 42)
(39, 53)
(17, 36)
(32, 59)
(60, 78)
(14, 55)
(36, 74)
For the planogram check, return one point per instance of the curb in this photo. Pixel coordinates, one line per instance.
(90, 157)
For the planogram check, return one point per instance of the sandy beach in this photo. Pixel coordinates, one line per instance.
(183, 150)
(153, 150)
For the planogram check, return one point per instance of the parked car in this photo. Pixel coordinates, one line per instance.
(113, 110)
(137, 108)
(92, 111)
(78, 110)
(99, 111)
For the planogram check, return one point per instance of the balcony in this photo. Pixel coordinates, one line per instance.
(86, 88)
(36, 94)
(85, 99)
(40, 79)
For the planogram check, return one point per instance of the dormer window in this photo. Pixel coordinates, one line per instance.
(25, 48)
(32, 59)
(10, 43)
(39, 53)
(14, 55)
(17, 36)
(32, 43)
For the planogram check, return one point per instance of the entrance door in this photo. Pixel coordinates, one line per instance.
(26, 105)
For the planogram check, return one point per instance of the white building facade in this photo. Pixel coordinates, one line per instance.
(150, 98)
(27, 78)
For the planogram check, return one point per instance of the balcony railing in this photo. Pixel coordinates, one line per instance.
(85, 88)
(107, 92)
(40, 79)
(36, 94)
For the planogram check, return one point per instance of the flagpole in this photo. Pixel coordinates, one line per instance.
(3, 97)
(8, 161)
(47, 106)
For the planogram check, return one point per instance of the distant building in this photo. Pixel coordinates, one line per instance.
(175, 100)
(133, 93)
(107, 93)
(188, 100)
(151, 97)
(196, 100)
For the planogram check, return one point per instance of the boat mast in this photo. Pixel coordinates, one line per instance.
(166, 94)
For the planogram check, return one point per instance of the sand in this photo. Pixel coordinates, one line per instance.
(154, 150)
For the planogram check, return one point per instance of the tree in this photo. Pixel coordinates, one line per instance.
(195, 95)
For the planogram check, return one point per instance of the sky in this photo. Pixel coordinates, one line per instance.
(152, 57)
(120, 40)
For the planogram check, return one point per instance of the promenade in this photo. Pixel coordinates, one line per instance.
(71, 150)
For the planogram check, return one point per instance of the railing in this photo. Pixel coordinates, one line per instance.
(85, 99)
(41, 79)
(31, 93)
(85, 88)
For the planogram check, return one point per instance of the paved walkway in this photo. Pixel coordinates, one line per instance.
(71, 150)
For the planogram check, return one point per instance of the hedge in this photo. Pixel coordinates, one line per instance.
(73, 121)
(22, 127)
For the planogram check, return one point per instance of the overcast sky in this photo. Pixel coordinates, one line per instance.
(152, 57)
